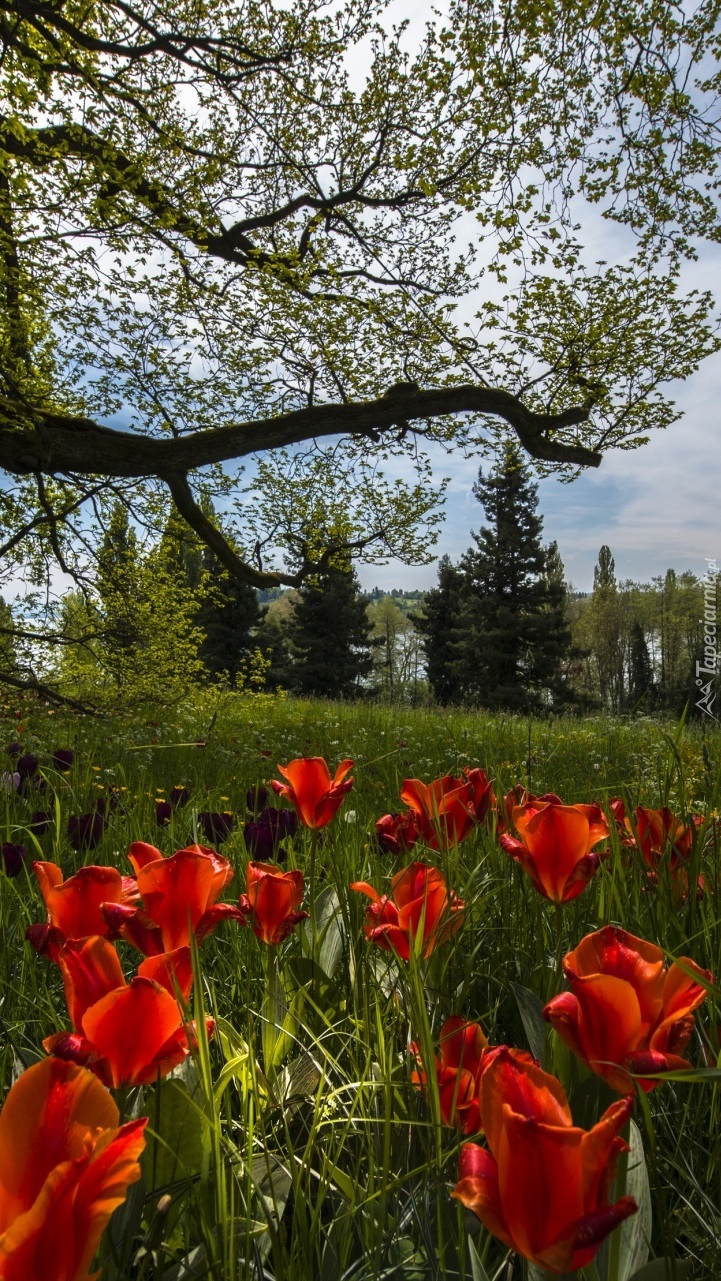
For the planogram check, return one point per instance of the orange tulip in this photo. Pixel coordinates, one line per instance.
(126, 1033)
(314, 795)
(419, 906)
(443, 810)
(542, 1188)
(458, 1073)
(178, 897)
(74, 906)
(271, 899)
(65, 1166)
(556, 846)
(626, 1012)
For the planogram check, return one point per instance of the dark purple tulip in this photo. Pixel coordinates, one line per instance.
(85, 831)
(179, 797)
(256, 798)
(264, 834)
(27, 765)
(40, 822)
(163, 813)
(13, 857)
(63, 759)
(216, 827)
(14, 749)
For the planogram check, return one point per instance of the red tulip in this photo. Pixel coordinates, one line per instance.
(556, 846)
(65, 1166)
(626, 1012)
(396, 833)
(271, 899)
(484, 799)
(666, 842)
(463, 1049)
(178, 897)
(443, 810)
(126, 1033)
(419, 906)
(314, 795)
(543, 1186)
(518, 795)
(75, 906)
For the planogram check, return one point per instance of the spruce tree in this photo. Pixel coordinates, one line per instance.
(228, 615)
(331, 637)
(512, 634)
(438, 625)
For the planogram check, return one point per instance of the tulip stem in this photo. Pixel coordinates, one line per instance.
(311, 888)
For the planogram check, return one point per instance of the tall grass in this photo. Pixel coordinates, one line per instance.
(294, 1145)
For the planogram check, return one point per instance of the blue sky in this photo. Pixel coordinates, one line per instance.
(657, 507)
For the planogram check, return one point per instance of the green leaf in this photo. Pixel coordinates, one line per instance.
(636, 1231)
(530, 1008)
(178, 1137)
(478, 1272)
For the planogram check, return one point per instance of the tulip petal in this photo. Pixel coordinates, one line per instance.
(131, 1027)
(90, 969)
(562, 1013)
(609, 1024)
(478, 1191)
(140, 854)
(172, 970)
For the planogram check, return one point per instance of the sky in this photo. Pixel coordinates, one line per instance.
(657, 507)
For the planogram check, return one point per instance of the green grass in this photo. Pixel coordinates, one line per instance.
(294, 1146)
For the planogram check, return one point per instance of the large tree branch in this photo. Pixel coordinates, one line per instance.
(30, 684)
(63, 444)
(194, 515)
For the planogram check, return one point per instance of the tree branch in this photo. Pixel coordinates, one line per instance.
(33, 685)
(78, 446)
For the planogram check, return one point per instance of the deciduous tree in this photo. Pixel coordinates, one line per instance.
(242, 230)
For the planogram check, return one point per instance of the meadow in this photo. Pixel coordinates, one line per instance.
(313, 1133)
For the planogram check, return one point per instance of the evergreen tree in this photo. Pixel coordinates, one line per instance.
(228, 616)
(331, 636)
(512, 634)
(640, 682)
(227, 611)
(438, 625)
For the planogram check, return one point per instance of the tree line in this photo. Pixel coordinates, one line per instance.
(501, 629)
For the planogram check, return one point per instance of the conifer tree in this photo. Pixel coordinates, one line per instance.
(511, 634)
(438, 624)
(331, 636)
(228, 615)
